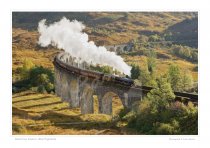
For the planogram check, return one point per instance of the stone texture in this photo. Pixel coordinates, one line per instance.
(78, 90)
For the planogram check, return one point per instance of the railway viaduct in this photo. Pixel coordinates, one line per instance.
(75, 84)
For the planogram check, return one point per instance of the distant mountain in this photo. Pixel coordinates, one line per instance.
(29, 20)
(185, 32)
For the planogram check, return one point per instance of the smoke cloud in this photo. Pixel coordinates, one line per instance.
(69, 35)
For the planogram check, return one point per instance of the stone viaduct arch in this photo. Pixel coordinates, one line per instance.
(77, 85)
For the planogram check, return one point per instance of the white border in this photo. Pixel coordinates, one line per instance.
(93, 5)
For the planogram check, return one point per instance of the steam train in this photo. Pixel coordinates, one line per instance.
(92, 74)
(115, 79)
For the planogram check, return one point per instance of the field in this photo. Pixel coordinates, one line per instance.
(42, 114)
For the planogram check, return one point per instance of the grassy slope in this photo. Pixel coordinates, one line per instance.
(123, 27)
(24, 46)
(108, 27)
(35, 113)
(162, 64)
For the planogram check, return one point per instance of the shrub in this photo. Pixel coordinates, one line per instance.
(41, 89)
(49, 87)
(149, 53)
(185, 52)
(167, 128)
(181, 119)
(189, 119)
(174, 76)
(25, 69)
(161, 95)
(35, 78)
(39, 75)
(123, 112)
(147, 78)
(42, 78)
(187, 81)
(151, 64)
(180, 81)
(135, 71)
(157, 113)
(155, 38)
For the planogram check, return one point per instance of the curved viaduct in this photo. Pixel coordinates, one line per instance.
(77, 85)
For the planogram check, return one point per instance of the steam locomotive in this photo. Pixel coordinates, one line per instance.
(92, 74)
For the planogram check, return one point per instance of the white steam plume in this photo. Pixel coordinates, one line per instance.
(68, 35)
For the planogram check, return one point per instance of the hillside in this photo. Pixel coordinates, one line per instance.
(108, 27)
(185, 32)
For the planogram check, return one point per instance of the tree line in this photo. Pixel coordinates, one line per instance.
(178, 80)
